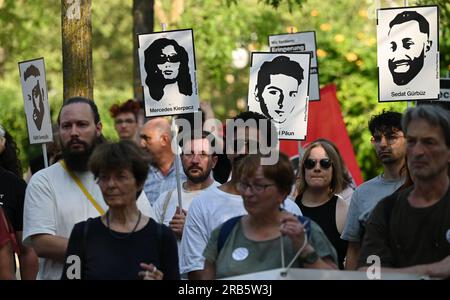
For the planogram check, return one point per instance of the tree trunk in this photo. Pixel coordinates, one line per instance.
(77, 48)
(142, 23)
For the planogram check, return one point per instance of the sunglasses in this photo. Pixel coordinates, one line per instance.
(325, 163)
(168, 58)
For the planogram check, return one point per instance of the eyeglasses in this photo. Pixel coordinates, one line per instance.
(168, 58)
(127, 121)
(255, 187)
(325, 163)
(390, 138)
(104, 179)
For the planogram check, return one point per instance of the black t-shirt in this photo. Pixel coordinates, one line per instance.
(108, 257)
(12, 195)
(404, 236)
(325, 216)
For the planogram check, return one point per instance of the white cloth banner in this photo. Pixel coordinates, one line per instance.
(314, 274)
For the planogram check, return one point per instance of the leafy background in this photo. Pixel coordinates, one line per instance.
(345, 32)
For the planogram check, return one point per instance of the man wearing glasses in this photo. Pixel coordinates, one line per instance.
(216, 205)
(390, 146)
(155, 139)
(126, 119)
(198, 160)
(409, 231)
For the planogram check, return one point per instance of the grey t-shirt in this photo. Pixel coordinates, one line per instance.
(364, 199)
(240, 255)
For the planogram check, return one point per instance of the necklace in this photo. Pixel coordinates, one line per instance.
(122, 236)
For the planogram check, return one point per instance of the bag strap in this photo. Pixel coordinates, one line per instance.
(166, 204)
(225, 231)
(82, 188)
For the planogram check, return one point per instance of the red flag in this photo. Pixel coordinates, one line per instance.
(325, 121)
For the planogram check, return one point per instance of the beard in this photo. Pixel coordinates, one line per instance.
(202, 176)
(388, 160)
(415, 66)
(78, 160)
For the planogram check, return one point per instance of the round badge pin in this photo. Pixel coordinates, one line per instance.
(240, 254)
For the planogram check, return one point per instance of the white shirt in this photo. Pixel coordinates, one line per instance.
(164, 215)
(208, 210)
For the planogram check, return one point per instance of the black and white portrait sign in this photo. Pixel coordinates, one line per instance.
(444, 95)
(408, 57)
(300, 42)
(278, 89)
(37, 109)
(168, 73)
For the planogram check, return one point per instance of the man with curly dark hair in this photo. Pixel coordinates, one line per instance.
(409, 231)
(389, 143)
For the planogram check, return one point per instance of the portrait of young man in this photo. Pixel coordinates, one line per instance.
(168, 72)
(32, 77)
(37, 109)
(278, 89)
(407, 53)
(304, 41)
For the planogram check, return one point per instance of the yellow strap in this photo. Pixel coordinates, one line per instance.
(82, 188)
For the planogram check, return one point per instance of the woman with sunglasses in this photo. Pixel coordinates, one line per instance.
(259, 240)
(167, 68)
(322, 177)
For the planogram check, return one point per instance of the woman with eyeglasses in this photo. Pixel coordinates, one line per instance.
(167, 68)
(254, 242)
(322, 177)
(122, 244)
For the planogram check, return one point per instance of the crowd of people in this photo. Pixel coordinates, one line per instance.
(118, 210)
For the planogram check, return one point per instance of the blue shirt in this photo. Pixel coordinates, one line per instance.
(156, 183)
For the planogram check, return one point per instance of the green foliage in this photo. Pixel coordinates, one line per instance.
(444, 27)
(289, 3)
(112, 44)
(28, 32)
(275, 3)
(346, 38)
(245, 24)
(32, 29)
